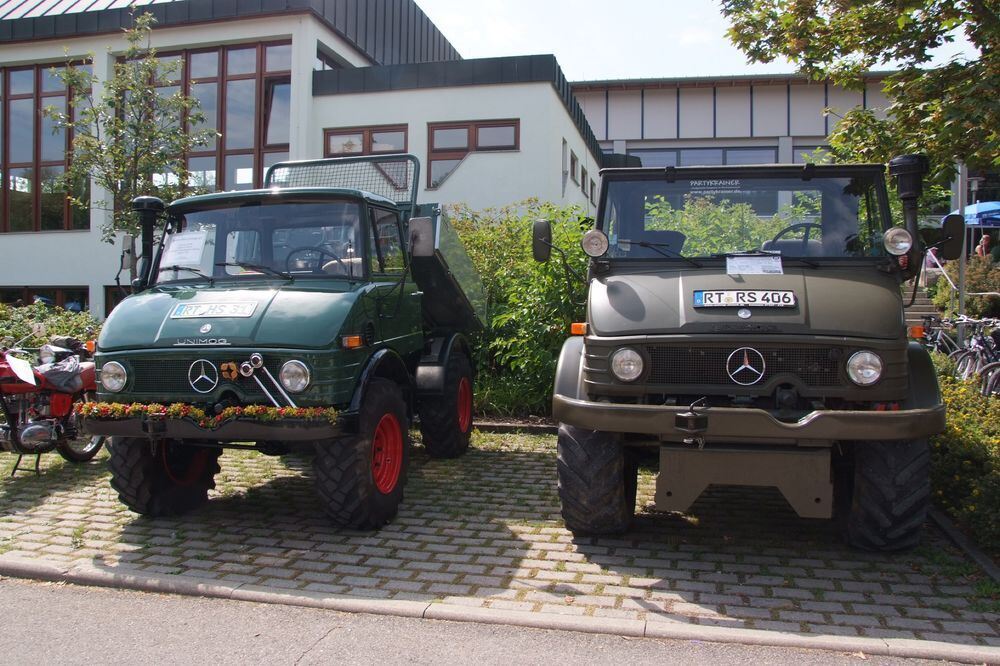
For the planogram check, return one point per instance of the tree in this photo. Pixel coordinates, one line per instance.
(948, 112)
(129, 139)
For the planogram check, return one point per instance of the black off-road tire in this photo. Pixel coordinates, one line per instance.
(169, 479)
(347, 470)
(446, 420)
(883, 494)
(597, 481)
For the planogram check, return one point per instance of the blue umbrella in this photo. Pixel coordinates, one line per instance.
(983, 213)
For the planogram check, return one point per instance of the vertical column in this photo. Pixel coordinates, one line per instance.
(100, 200)
(304, 140)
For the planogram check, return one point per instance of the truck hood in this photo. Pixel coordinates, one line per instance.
(292, 315)
(855, 301)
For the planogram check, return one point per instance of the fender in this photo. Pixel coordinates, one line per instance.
(430, 371)
(387, 364)
(924, 390)
(569, 370)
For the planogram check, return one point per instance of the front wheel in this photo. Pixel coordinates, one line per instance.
(597, 481)
(167, 478)
(80, 449)
(360, 478)
(884, 494)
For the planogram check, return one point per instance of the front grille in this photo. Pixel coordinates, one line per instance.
(814, 366)
(171, 376)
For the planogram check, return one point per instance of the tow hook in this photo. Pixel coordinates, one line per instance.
(694, 423)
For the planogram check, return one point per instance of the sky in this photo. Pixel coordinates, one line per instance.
(603, 39)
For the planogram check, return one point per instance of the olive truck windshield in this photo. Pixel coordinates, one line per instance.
(288, 240)
(820, 217)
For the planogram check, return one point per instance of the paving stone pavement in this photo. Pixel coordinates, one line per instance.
(484, 531)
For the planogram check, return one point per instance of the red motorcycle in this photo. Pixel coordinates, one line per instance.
(37, 401)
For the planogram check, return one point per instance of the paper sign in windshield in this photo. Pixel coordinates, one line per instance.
(754, 265)
(185, 249)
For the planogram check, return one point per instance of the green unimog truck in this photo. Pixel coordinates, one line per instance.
(322, 312)
(746, 323)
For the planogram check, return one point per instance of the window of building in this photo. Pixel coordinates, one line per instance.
(113, 295)
(245, 94)
(32, 196)
(574, 167)
(593, 193)
(75, 299)
(815, 154)
(672, 157)
(449, 143)
(584, 181)
(382, 140)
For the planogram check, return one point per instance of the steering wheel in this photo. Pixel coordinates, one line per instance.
(318, 250)
(807, 226)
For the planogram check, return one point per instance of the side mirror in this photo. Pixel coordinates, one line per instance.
(421, 237)
(952, 241)
(541, 240)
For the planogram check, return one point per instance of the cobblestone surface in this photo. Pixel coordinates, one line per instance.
(484, 531)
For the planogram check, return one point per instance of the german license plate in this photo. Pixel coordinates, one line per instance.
(197, 310)
(745, 298)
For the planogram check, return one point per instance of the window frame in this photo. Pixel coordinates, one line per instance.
(366, 132)
(373, 255)
(28, 293)
(472, 128)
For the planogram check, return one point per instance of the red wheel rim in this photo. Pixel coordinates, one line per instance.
(387, 453)
(188, 475)
(464, 404)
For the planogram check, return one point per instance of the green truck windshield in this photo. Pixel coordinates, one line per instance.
(291, 239)
(704, 217)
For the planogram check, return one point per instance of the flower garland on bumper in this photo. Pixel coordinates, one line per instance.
(114, 411)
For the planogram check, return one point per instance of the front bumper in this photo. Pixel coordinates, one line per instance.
(737, 424)
(235, 430)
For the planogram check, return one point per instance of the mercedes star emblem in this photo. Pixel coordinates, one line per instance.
(203, 376)
(745, 366)
(205, 329)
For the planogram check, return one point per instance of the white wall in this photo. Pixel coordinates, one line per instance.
(483, 179)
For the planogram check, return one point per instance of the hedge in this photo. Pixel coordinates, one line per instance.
(16, 323)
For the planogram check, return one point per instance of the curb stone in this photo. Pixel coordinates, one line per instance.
(190, 586)
(965, 544)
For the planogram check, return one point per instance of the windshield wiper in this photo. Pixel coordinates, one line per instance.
(661, 248)
(257, 267)
(178, 267)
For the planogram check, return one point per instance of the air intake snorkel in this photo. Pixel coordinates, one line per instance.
(148, 209)
(909, 171)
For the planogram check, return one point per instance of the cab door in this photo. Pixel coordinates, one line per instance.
(397, 299)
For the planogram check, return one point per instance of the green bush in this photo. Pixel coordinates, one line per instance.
(530, 306)
(965, 466)
(15, 324)
(980, 276)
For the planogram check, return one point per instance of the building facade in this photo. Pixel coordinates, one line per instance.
(303, 79)
(279, 80)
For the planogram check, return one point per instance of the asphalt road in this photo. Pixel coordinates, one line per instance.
(65, 624)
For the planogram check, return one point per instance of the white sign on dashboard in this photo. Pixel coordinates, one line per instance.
(754, 265)
(185, 249)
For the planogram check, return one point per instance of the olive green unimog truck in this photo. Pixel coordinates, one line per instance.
(323, 312)
(746, 323)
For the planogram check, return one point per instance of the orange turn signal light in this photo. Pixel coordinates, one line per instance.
(915, 332)
(578, 328)
(352, 341)
(91, 346)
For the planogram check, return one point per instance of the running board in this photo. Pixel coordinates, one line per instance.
(802, 475)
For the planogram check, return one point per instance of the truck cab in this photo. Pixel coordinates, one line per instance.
(746, 325)
(305, 315)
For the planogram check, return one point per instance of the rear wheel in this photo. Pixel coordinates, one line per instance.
(883, 491)
(360, 479)
(597, 481)
(446, 421)
(166, 479)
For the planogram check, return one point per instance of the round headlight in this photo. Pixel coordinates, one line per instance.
(294, 376)
(864, 368)
(626, 364)
(897, 241)
(594, 243)
(113, 376)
